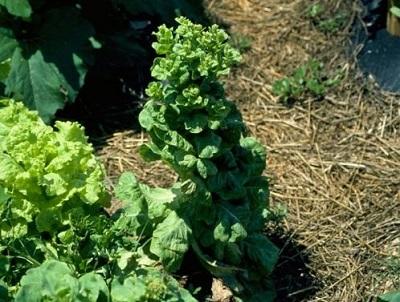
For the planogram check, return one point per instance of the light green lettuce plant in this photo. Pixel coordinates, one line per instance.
(57, 243)
(44, 171)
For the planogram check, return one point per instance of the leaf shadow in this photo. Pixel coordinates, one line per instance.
(294, 280)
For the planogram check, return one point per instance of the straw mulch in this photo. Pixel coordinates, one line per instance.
(335, 163)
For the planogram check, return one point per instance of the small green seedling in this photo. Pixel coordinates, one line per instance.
(241, 42)
(332, 25)
(308, 79)
(323, 22)
(315, 10)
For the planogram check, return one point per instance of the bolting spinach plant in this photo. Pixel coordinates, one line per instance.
(219, 207)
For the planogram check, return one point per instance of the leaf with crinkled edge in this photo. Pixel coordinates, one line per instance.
(253, 155)
(80, 170)
(157, 200)
(43, 167)
(170, 241)
(262, 251)
(54, 281)
(132, 218)
(208, 145)
(92, 287)
(143, 206)
(190, 41)
(13, 113)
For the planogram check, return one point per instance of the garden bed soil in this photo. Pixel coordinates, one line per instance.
(334, 163)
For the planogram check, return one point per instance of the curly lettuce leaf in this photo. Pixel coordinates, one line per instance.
(43, 168)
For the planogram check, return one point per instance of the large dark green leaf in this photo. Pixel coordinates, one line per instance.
(19, 8)
(262, 252)
(170, 241)
(133, 218)
(39, 84)
(253, 155)
(230, 227)
(5, 68)
(7, 47)
(48, 72)
(208, 145)
(8, 43)
(4, 292)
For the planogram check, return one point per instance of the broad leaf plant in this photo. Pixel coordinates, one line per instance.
(219, 207)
